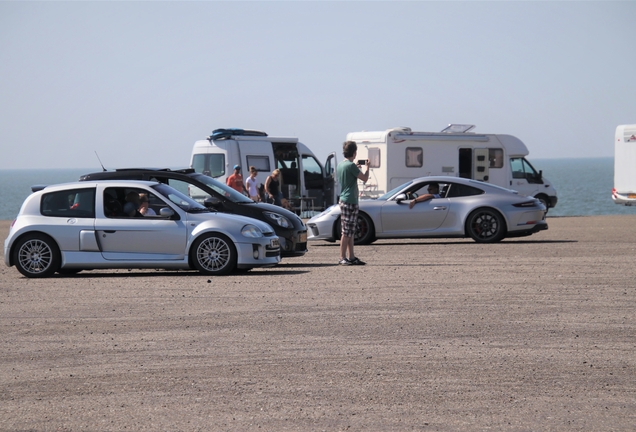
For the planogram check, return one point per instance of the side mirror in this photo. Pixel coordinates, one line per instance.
(212, 202)
(401, 197)
(166, 212)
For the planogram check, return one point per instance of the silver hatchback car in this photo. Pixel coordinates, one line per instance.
(98, 225)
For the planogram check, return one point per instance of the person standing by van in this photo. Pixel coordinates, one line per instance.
(252, 186)
(235, 181)
(272, 187)
(348, 175)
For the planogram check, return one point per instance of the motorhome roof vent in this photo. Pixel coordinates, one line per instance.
(458, 128)
(220, 134)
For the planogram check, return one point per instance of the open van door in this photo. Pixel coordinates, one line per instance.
(332, 188)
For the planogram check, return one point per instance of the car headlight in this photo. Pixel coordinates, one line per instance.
(327, 211)
(279, 220)
(251, 231)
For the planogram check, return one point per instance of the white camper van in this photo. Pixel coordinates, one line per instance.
(624, 191)
(305, 181)
(400, 154)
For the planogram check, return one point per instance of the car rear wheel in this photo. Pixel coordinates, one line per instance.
(214, 254)
(486, 226)
(36, 256)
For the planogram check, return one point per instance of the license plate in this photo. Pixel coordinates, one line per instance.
(302, 238)
(274, 243)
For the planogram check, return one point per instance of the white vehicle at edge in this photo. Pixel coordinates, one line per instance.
(96, 225)
(624, 191)
(467, 208)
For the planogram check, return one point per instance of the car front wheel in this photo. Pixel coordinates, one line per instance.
(365, 231)
(485, 226)
(36, 256)
(214, 254)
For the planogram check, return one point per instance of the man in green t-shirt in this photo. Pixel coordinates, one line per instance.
(348, 175)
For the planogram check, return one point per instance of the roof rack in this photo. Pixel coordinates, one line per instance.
(220, 134)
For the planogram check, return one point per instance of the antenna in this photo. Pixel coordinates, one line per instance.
(100, 161)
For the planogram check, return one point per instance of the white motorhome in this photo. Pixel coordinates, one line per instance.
(400, 154)
(305, 181)
(624, 191)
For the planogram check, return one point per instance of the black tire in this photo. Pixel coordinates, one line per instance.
(365, 230)
(214, 254)
(36, 256)
(485, 225)
(544, 200)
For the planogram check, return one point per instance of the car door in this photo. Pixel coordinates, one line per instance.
(400, 220)
(122, 237)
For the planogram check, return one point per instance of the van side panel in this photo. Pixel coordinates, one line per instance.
(625, 159)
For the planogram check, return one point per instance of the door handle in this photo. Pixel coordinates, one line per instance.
(439, 208)
(110, 231)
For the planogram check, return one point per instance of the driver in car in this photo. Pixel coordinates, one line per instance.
(433, 192)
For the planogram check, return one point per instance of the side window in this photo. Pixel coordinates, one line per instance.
(374, 157)
(414, 157)
(79, 203)
(122, 202)
(516, 165)
(495, 156)
(261, 163)
(423, 190)
(456, 190)
(212, 165)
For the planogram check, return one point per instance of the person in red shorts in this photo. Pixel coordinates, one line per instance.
(235, 181)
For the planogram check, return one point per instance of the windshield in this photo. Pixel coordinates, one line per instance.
(222, 189)
(184, 202)
(392, 192)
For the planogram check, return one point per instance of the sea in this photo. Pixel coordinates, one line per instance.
(584, 186)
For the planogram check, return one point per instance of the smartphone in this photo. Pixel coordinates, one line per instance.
(362, 162)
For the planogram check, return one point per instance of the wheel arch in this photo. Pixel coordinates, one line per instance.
(337, 226)
(544, 198)
(26, 233)
(202, 233)
(496, 210)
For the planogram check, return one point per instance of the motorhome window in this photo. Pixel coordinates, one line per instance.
(69, 203)
(312, 172)
(414, 157)
(212, 165)
(374, 157)
(261, 163)
(495, 156)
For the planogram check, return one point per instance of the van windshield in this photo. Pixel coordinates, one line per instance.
(212, 165)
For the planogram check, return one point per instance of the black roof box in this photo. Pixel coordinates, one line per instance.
(219, 134)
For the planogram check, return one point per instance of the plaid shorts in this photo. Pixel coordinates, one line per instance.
(349, 218)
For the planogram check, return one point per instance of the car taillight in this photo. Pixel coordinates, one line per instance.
(526, 204)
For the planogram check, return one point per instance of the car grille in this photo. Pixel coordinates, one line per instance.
(300, 247)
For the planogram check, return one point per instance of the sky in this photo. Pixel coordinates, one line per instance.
(139, 82)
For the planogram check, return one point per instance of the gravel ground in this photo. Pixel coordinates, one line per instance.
(537, 333)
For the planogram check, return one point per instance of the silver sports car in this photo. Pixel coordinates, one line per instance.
(103, 224)
(465, 208)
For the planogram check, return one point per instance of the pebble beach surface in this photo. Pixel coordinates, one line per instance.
(535, 333)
